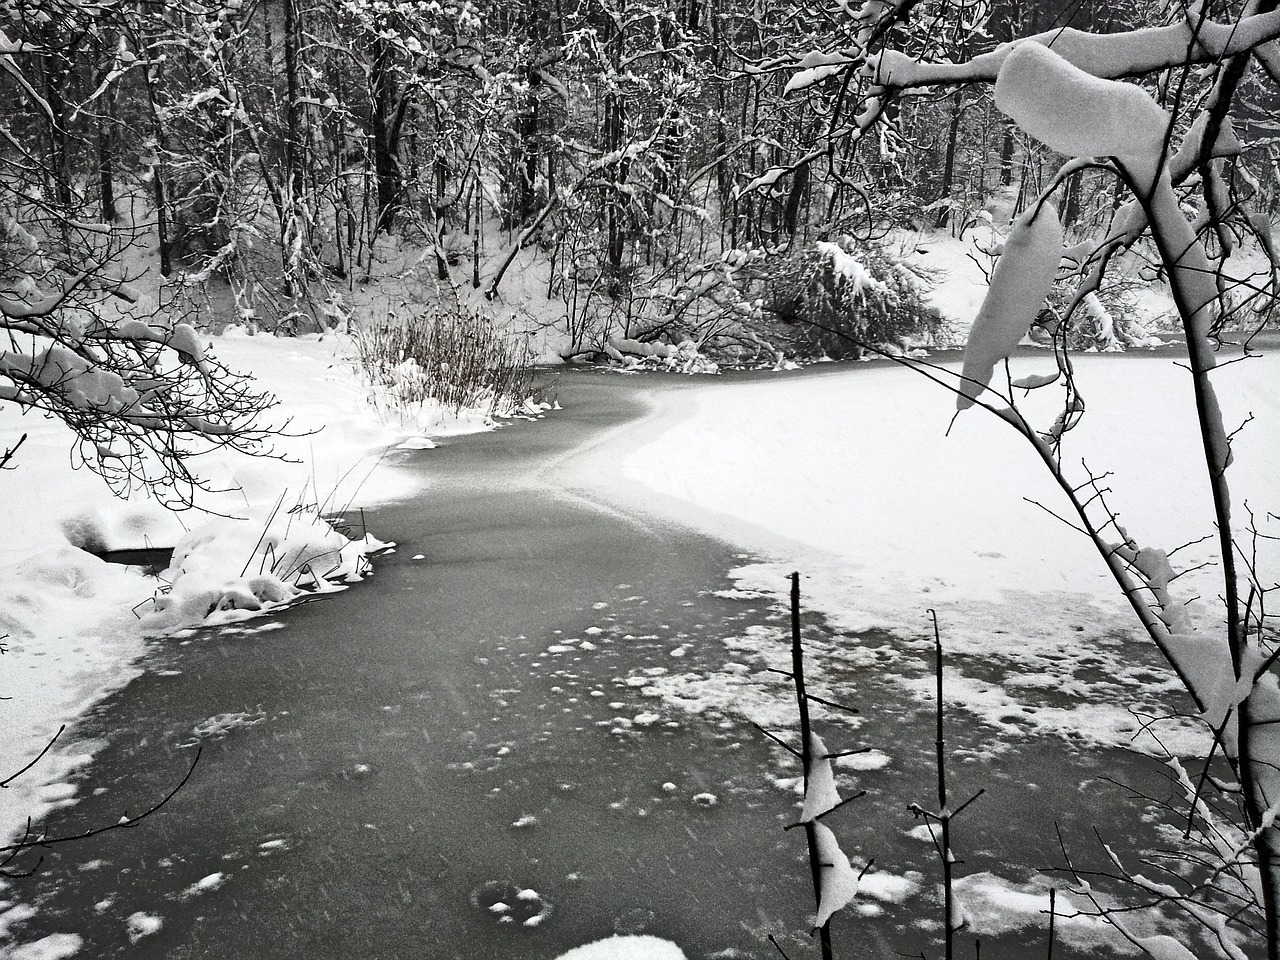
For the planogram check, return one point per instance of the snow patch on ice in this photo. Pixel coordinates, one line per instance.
(56, 946)
(205, 885)
(641, 947)
(142, 924)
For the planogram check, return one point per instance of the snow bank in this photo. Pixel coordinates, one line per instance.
(66, 616)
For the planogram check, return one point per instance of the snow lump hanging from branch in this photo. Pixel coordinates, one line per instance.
(1074, 112)
(1019, 284)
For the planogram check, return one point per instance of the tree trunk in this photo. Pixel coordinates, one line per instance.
(106, 133)
(1071, 206)
(615, 119)
(1006, 156)
(949, 163)
(293, 107)
(155, 83)
(386, 137)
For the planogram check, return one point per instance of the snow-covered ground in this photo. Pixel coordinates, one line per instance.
(74, 625)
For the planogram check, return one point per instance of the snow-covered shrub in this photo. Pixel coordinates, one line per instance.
(838, 298)
(229, 569)
(444, 351)
(1106, 321)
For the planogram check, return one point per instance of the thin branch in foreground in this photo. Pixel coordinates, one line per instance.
(44, 841)
(40, 756)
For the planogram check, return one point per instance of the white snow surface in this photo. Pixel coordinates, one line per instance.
(626, 948)
(71, 636)
(851, 479)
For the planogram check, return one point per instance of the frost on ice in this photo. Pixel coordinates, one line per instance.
(1019, 284)
(1074, 112)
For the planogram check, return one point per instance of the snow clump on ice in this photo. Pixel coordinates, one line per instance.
(141, 924)
(626, 948)
(273, 562)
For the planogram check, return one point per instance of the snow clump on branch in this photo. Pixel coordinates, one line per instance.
(1074, 112)
(1019, 284)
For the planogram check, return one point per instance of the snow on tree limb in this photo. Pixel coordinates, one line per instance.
(1074, 112)
(839, 881)
(821, 794)
(1019, 284)
(1112, 56)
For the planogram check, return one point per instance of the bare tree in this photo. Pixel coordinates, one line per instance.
(80, 341)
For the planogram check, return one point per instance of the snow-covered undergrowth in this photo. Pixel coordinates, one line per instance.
(74, 626)
(444, 353)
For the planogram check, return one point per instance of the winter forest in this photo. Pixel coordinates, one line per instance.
(639, 479)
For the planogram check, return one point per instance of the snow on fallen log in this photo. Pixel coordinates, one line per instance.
(1019, 284)
(1075, 113)
(636, 348)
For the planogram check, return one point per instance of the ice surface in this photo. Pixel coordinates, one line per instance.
(886, 515)
(71, 633)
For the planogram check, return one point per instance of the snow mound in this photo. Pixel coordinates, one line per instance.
(228, 569)
(626, 948)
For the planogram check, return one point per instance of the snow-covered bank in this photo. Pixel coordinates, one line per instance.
(852, 479)
(68, 618)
